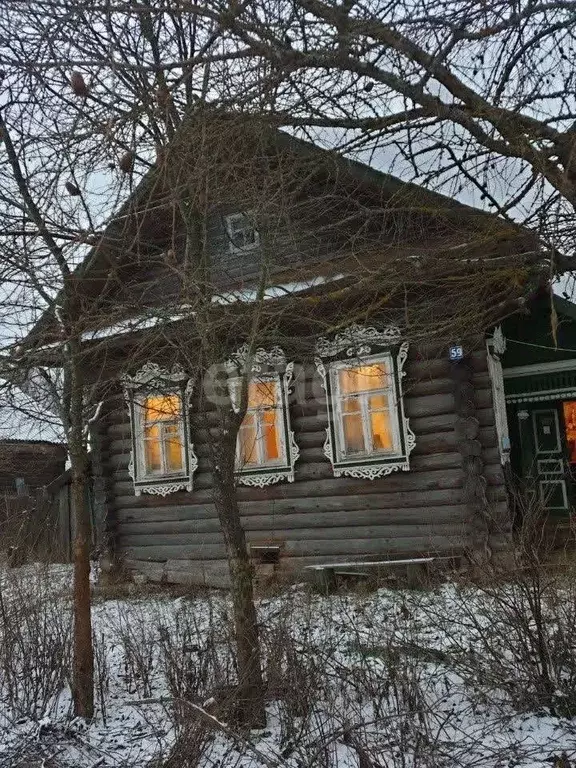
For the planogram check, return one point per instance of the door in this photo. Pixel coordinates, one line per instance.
(549, 464)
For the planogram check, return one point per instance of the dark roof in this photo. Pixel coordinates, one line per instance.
(104, 253)
(565, 307)
(16, 441)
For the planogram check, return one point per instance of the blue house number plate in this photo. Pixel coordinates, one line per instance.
(456, 352)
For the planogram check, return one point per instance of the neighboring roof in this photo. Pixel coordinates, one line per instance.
(14, 441)
(564, 306)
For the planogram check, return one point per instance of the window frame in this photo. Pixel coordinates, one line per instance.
(358, 346)
(232, 247)
(140, 405)
(267, 365)
(235, 385)
(390, 393)
(150, 381)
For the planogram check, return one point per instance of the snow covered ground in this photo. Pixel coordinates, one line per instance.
(355, 681)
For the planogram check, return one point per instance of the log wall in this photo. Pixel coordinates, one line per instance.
(318, 517)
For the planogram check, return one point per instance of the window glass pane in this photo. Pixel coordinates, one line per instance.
(382, 439)
(160, 407)
(351, 405)
(378, 402)
(271, 436)
(364, 377)
(152, 452)
(173, 454)
(262, 394)
(353, 434)
(247, 445)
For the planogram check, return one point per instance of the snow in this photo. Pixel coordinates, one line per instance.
(275, 291)
(152, 320)
(341, 649)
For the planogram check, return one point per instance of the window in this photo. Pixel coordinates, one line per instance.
(265, 450)
(260, 442)
(163, 441)
(241, 232)
(21, 487)
(368, 434)
(365, 408)
(163, 458)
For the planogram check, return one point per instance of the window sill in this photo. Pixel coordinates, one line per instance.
(163, 488)
(263, 476)
(371, 470)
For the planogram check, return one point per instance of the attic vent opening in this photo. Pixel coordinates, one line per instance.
(265, 554)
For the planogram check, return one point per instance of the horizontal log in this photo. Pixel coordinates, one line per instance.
(388, 487)
(174, 552)
(397, 481)
(428, 386)
(384, 547)
(171, 507)
(295, 540)
(348, 547)
(327, 520)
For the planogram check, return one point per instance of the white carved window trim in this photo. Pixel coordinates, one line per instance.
(267, 365)
(358, 345)
(152, 379)
(496, 346)
(232, 231)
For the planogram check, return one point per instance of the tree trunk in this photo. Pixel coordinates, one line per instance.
(83, 672)
(250, 702)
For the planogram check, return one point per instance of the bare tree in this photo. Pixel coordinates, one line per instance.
(478, 98)
(109, 103)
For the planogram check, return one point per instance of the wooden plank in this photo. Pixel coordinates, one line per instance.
(371, 563)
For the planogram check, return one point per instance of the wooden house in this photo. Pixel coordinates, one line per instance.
(375, 417)
(28, 470)
(537, 350)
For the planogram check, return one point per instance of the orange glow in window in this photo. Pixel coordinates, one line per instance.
(570, 427)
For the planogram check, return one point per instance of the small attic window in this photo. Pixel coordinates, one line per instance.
(21, 488)
(242, 234)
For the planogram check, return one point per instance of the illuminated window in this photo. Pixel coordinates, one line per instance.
(261, 441)
(365, 409)
(368, 434)
(242, 234)
(162, 434)
(163, 458)
(569, 409)
(265, 449)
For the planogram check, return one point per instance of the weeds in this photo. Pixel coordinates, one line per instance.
(35, 645)
(414, 679)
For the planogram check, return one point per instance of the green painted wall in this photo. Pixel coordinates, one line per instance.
(529, 337)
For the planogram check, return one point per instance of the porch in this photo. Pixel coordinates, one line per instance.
(539, 374)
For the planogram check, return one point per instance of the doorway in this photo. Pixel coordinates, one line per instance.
(546, 461)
